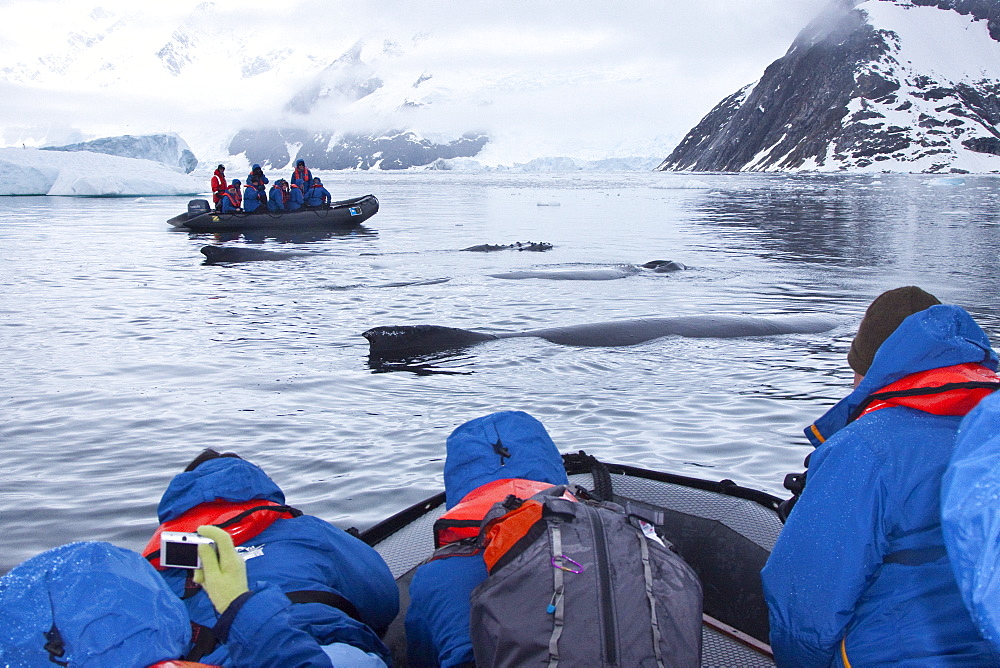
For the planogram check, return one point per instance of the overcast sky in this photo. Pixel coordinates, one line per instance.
(590, 77)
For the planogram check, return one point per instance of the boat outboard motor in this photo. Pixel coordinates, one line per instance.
(197, 207)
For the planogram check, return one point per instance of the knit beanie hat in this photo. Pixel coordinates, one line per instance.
(881, 319)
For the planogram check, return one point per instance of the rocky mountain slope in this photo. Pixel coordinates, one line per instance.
(870, 85)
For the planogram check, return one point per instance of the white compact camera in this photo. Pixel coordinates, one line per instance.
(180, 550)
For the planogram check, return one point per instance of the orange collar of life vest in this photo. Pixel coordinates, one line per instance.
(950, 390)
(242, 520)
(463, 520)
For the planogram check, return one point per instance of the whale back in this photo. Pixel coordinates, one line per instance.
(407, 339)
(397, 339)
(233, 254)
(632, 332)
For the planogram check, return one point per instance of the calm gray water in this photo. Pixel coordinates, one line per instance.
(124, 355)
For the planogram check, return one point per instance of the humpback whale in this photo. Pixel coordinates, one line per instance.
(215, 254)
(410, 339)
(536, 246)
(602, 274)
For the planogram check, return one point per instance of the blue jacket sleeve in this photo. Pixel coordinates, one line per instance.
(832, 544)
(437, 620)
(261, 636)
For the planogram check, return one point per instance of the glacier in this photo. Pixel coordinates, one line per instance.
(29, 171)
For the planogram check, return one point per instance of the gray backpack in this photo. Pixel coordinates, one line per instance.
(583, 584)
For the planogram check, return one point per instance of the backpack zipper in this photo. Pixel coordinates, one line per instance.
(604, 574)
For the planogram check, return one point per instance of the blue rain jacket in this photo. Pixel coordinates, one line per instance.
(227, 205)
(300, 554)
(110, 608)
(251, 198)
(301, 177)
(861, 558)
(437, 620)
(296, 200)
(316, 195)
(263, 633)
(257, 172)
(970, 516)
(276, 199)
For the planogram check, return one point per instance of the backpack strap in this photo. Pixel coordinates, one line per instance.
(647, 574)
(205, 641)
(329, 598)
(557, 606)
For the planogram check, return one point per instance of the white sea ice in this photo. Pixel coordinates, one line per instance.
(28, 171)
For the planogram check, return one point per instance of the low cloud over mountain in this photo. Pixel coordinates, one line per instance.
(893, 85)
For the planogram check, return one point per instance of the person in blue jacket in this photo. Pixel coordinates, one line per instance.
(93, 605)
(254, 196)
(257, 174)
(232, 200)
(970, 516)
(296, 198)
(276, 197)
(301, 175)
(344, 594)
(317, 195)
(859, 574)
(505, 445)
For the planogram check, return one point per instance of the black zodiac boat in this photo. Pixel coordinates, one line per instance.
(724, 531)
(200, 217)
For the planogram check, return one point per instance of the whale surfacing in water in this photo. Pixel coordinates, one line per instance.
(214, 254)
(409, 339)
(600, 274)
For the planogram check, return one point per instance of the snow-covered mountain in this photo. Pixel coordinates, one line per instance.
(383, 84)
(872, 85)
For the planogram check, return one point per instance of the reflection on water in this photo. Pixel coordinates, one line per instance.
(300, 235)
(426, 364)
(125, 355)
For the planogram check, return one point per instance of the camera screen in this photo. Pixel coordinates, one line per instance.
(180, 555)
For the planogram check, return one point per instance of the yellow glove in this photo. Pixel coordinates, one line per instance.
(223, 574)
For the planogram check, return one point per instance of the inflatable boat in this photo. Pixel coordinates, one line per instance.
(200, 217)
(724, 531)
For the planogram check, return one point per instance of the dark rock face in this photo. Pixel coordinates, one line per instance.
(843, 97)
(328, 150)
(169, 149)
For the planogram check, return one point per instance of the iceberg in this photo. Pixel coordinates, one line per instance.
(29, 171)
(167, 148)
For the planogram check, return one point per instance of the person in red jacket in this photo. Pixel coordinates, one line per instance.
(219, 185)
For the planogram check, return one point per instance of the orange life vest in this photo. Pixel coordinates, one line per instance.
(950, 390)
(178, 663)
(242, 520)
(464, 519)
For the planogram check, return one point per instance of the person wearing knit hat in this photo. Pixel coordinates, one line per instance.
(881, 319)
(859, 574)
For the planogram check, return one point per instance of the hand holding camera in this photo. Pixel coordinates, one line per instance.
(223, 573)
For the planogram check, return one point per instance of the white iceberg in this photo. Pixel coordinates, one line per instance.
(28, 171)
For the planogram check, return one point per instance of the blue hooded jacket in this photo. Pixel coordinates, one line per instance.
(296, 200)
(108, 604)
(859, 573)
(317, 195)
(276, 199)
(299, 554)
(251, 198)
(970, 516)
(437, 620)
